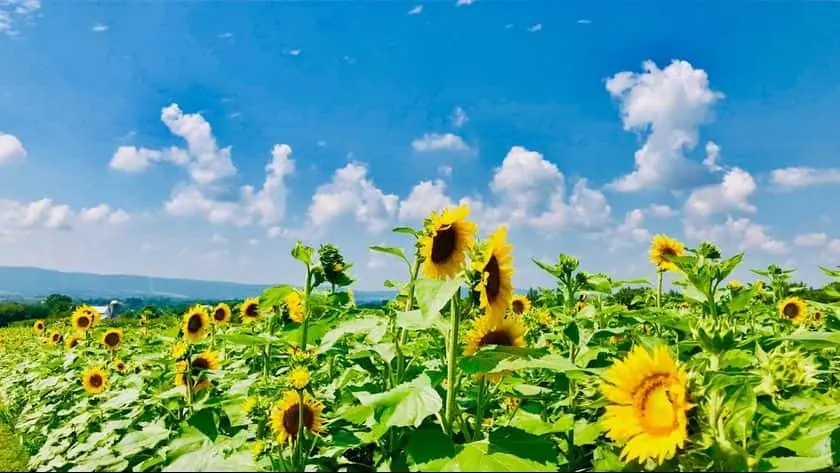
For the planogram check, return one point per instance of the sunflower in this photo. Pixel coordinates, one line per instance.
(119, 366)
(299, 377)
(285, 417)
(55, 338)
(71, 341)
(94, 380)
(496, 285)
(794, 310)
(579, 305)
(489, 330)
(221, 314)
(663, 247)
(38, 327)
(196, 324)
(178, 350)
(510, 403)
(295, 305)
(545, 318)
(735, 284)
(520, 304)
(206, 361)
(250, 404)
(83, 318)
(648, 404)
(250, 310)
(817, 317)
(112, 339)
(448, 236)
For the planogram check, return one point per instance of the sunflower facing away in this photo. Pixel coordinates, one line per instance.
(648, 404)
(496, 284)
(661, 248)
(38, 327)
(448, 236)
(206, 361)
(112, 339)
(295, 305)
(285, 416)
(250, 310)
(83, 318)
(793, 309)
(221, 314)
(71, 341)
(520, 304)
(55, 338)
(94, 380)
(196, 324)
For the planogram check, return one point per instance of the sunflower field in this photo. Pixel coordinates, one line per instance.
(456, 373)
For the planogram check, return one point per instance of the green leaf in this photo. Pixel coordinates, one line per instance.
(572, 332)
(406, 230)
(533, 424)
(273, 297)
(373, 326)
(523, 445)
(604, 458)
(552, 270)
(210, 458)
(122, 399)
(205, 422)
(477, 457)
(433, 294)
(249, 340)
(488, 358)
(406, 405)
(391, 250)
(140, 440)
(835, 446)
(795, 463)
(302, 253)
(586, 433)
(428, 443)
(816, 340)
(417, 320)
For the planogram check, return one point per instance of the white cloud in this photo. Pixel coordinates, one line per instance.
(416, 10)
(459, 117)
(43, 213)
(630, 232)
(584, 21)
(208, 163)
(11, 149)
(439, 142)
(712, 159)
(352, 192)
(119, 216)
(811, 239)
(535, 28)
(216, 238)
(95, 214)
(321, 143)
(134, 159)
(253, 242)
(669, 105)
(226, 35)
(276, 232)
(661, 211)
(292, 52)
(425, 197)
(731, 194)
(444, 171)
(99, 28)
(834, 245)
(587, 209)
(741, 233)
(14, 12)
(462, 3)
(795, 177)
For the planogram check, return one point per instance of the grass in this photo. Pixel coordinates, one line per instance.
(12, 456)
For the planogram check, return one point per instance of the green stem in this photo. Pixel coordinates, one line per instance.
(659, 289)
(304, 332)
(299, 438)
(479, 408)
(452, 347)
(402, 333)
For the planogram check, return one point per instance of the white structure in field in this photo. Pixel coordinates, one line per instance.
(108, 311)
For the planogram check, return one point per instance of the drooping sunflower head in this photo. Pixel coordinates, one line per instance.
(196, 324)
(112, 338)
(520, 304)
(119, 366)
(285, 416)
(95, 380)
(495, 285)
(221, 314)
(55, 338)
(299, 377)
(250, 310)
(84, 318)
(648, 400)
(71, 341)
(200, 364)
(448, 236)
(793, 309)
(735, 284)
(295, 305)
(662, 248)
(38, 327)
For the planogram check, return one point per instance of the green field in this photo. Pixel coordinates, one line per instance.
(457, 373)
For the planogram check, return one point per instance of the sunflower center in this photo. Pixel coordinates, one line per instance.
(658, 405)
(95, 380)
(496, 337)
(195, 324)
(668, 251)
(291, 417)
(112, 339)
(251, 311)
(444, 244)
(219, 315)
(518, 307)
(790, 310)
(120, 366)
(494, 281)
(73, 343)
(56, 337)
(83, 321)
(198, 366)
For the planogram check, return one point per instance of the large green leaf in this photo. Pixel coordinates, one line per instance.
(523, 444)
(406, 405)
(533, 424)
(273, 296)
(477, 456)
(433, 294)
(373, 326)
(816, 340)
(249, 340)
(140, 440)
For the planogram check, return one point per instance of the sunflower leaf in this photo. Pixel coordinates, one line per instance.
(405, 405)
(433, 294)
(816, 340)
(391, 250)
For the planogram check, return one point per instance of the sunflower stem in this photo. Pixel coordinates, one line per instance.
(301, 462)
(479, 407)
(659, 289)
(402, 333)
(307, 290)
(452, 347)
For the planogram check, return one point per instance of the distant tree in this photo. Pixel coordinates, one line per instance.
(16, 311)
(58, 305)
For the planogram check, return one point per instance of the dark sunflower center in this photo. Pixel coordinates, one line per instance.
(497, 337)
(518, 307)
(817, 315)
(56, 338)
(195, 324)
(112, 339)
(790, 310)
(73, 343)
(95, 380)
(494, 278)
(292, 415)
(40, 326)
(198, 366)
(444, 244)
(83, 321)
(251, 311)
(219, 315)
(668, 251)
(120, 366)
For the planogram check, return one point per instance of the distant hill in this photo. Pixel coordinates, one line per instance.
(17, 282)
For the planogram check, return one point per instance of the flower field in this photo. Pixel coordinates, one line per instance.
(457, 373)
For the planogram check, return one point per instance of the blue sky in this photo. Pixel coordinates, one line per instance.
(148, 128)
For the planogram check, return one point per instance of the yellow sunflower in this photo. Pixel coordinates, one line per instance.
(71, 341)
(295, 305)
(94, 380)
(119, 366)
(196, 324)
(285, 417)
(299, 377)
(221, 314)
(817, 317)
(793, 309)
(489, 330)
(178, 350)
(735, 284)
(448, 236)
(545, 318)
(661, 248)
(55, 338)
(520, 304)
(250, 310)
(496, 284)
(112, 338)
(38, 327)
(648, 404)
(84, 318)
(250, 404)
(206, 361)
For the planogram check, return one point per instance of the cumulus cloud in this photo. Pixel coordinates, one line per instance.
(425, 197)
(629, 232)
(459, 117)
(535, 28)
(439, 142)
(103, 213)
(796, 177)
(16, 12)
(21, 218)
(351, 191)
(462, 3)
(661, 211)
(668, 105)
(742, 234)
(11, 149)
(731, 194)
(99, 28)
(811, 239)
(416, 10)
(712, 159)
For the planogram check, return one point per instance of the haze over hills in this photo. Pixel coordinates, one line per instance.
(26, 283)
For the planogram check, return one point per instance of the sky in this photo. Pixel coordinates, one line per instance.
(202, 139)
